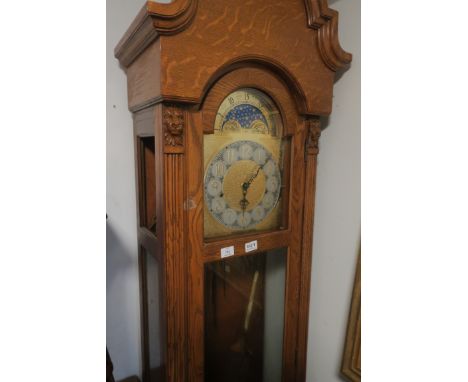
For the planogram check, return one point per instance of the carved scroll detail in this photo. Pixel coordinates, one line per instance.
(173, 123)
(313, 136)
(173, 17)
(325, 20)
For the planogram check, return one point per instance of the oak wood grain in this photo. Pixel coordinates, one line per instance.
(182, 59)
(294, 271)
(265, 241)
(241, 31)
(194, 205)
(174, 252)
(144, 78)
(307, 228)
(195, 53)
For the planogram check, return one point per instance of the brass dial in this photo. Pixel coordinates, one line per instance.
(242, 184)
(243, 165)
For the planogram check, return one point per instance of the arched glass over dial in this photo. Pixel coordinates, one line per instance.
(244, 161)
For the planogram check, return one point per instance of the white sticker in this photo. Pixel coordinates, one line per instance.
(227, 251)
(251, 246)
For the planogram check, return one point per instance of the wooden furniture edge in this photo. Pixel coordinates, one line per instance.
(348, 367)
(153, 20)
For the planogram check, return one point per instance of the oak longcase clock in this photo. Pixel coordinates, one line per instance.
(226, 99)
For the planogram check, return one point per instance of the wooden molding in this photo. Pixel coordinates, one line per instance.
(311, 151)
(175, 289)
(172, 17)
(175, 268)
(260, 63)
(154, 19)
(255, 77)
(351, 366)
(136, 39)
(325, 20)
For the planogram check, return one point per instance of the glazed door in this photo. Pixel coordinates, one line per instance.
(245, 213)
(244, 317)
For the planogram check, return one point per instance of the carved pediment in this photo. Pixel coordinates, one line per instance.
(198, 38)
(164, 19)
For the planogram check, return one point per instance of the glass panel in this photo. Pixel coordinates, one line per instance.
(147, 183)
(246, 163)
(244, 318)
(153, 318)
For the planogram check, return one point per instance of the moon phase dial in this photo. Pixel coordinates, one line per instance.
(242, 185)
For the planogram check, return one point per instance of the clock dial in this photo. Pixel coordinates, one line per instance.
(243, 165)
(247, 191)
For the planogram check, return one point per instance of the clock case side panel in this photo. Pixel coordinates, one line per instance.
(144, 78)
(149, 242)
(166, 124)
(297, 237)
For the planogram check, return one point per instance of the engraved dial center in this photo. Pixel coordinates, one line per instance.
(237, 176)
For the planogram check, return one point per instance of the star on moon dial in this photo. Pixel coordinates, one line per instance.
(242, 184)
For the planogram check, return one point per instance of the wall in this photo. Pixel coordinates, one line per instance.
(122, 303)
(337, 221)
(337, 214)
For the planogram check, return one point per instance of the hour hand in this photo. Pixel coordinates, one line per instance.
(244, 202)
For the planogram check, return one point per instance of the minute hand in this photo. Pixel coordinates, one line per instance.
(252, 177)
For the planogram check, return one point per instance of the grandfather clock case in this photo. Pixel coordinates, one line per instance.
(226, 99)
